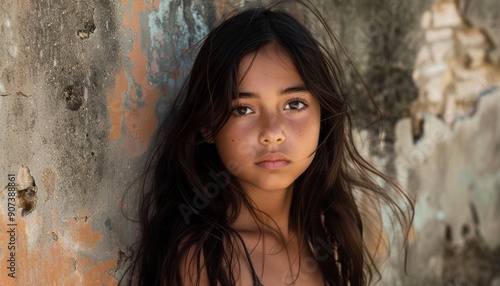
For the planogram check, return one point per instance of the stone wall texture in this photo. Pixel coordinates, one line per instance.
(84, 83)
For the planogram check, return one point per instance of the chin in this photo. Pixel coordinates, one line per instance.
(273, 186)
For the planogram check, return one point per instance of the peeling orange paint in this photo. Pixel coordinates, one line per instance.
(85, 237)
(142, 5)
(115, 101)
(147, 116)
(69, 260)
(139, 120)
(132, 117)
(97, 274)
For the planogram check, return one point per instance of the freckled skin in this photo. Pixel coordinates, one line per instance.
(269, 121)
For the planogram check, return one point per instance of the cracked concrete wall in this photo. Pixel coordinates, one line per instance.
(84, 83)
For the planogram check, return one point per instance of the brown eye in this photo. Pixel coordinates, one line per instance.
(242, 110)
(295, 105)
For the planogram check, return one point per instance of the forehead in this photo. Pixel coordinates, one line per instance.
(269, 65)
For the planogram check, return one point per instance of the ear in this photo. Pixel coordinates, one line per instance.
(207, 135)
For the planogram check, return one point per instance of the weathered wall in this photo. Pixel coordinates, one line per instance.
(84, 83)
(82, 86)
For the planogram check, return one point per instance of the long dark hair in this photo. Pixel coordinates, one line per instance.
(189, 197)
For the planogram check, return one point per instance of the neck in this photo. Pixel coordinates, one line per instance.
(272, 211)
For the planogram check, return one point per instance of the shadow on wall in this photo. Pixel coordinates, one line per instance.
(474, 263)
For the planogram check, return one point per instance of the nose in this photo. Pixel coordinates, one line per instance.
(272, 131)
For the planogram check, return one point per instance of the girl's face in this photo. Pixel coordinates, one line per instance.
(273, 131)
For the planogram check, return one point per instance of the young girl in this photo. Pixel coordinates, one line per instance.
(254, 177)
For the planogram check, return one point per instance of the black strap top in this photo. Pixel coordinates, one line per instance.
(256, 281)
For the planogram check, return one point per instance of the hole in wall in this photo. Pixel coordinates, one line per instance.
(26, 191)
(88, 28)
(74, 97)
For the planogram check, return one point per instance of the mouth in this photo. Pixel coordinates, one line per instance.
(273, 161)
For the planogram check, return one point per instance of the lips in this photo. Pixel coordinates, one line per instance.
(273, 161)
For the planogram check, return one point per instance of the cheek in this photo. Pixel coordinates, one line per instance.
(234, 142)
(229, 146)
(307, 130)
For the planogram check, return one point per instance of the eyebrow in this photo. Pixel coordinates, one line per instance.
(289, 90)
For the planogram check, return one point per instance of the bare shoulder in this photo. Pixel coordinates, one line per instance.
(193, 264)
(192, 267)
